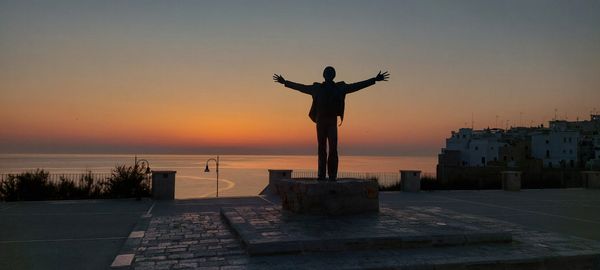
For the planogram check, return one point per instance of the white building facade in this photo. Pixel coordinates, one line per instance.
(556, 148)
(476, 147)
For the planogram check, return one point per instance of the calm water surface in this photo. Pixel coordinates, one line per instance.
(240, 175)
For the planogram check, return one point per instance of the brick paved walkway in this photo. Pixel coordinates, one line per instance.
(189, 241)
(203, 241)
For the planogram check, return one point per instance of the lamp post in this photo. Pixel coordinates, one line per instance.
(207, 170)
(141, 163)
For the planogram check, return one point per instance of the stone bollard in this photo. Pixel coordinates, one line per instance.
(591, 179)
(410, 181)
(274, 177)
(163, 185)
(511, 180)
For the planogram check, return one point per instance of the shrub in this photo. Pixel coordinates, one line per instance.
(8, 188)
(124, 182)
(28, 186)
(427, 183)
(128, 181)
(393, 187)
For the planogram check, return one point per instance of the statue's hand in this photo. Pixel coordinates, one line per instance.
(278, 78)
(382, 76)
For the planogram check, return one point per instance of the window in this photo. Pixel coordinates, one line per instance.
(476, 148)
(565, 140)
(569, 139)
(548, 155)
(570, 151)
(547, 141)
(483, 160)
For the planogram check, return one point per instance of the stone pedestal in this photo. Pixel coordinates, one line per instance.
(511, 180)
(410, 181)
(591, 179)
(344, 196)
(163, 185)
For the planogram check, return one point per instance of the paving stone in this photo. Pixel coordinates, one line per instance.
(282, 232)
(530, 249)
(122, 260)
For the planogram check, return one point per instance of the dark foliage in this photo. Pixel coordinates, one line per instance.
(124, 182)
(128, 181)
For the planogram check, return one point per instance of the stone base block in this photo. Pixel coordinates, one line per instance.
(163, 185)
(268, 230)
(410, 180)
(511, 180)
(345, 196)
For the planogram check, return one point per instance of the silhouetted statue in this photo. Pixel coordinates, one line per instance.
(328, 103)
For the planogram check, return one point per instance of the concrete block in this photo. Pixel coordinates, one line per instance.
(123, 260)
(163, 185)
(591, 179)
(410, 181)
(344, 196)
(274, 177)
(511, 180)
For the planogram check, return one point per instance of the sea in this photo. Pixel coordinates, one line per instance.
(239, 175)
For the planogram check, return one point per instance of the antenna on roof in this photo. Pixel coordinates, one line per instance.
(496, 125)
(521, 119)
(555, 112)
(472, 121)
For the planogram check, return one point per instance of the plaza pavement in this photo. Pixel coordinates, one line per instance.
(89, 234)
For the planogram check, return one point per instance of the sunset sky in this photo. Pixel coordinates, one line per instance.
(195, 76)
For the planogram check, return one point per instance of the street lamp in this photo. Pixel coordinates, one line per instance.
(142, 163)
(207, 170)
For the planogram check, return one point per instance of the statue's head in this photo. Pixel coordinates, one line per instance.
(329, 73)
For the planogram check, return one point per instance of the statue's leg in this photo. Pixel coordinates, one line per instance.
(322, 149)
(333, 153)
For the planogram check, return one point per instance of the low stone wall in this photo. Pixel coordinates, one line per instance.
(344, 196)
(511, 180)
(591, 179)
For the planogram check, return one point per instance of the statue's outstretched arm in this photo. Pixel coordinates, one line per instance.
(307, 89)
(353, 87)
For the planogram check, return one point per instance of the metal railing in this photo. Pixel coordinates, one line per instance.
(79, 179)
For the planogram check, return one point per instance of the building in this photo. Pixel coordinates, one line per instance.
(473, 148)
(477, 156)
(556, 148)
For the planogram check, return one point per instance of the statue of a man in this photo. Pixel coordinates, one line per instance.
(328, 99)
